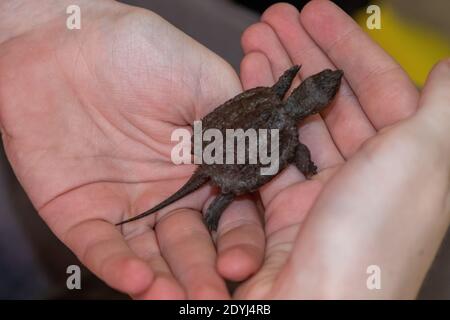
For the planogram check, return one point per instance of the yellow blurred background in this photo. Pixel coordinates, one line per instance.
(415, 32)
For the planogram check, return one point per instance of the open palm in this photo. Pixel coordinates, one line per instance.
(87, 117)
(323, 233)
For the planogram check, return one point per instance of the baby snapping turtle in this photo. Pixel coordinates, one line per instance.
(259, 108)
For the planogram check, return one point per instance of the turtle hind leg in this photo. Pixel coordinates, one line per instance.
(216, 208)
(303, 162)
(284, 82)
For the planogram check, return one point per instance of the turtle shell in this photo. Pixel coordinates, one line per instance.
(258, 108)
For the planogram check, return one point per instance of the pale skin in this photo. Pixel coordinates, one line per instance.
(86, 118)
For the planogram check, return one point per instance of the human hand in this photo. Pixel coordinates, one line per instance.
(86, 119)
(382, 193)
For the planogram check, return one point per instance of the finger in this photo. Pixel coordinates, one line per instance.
(164, 285)
(346, 121)
(436, 93)
(256, 71)
(434, 113)
(382, 87)
(259, 37)
(186, 245)
(287, 208)
(284, 217)
(101, 247)
(240, 240)
(282, 226)
(259, 286)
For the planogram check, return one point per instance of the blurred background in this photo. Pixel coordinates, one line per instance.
(33, 262)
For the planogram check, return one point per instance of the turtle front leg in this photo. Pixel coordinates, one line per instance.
(216, 208)
(284, 82)
(303, 162)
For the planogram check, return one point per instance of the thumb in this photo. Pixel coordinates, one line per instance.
(433, 115)
(436, 93)
(434, 105)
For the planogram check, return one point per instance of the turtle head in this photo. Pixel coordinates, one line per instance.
(313, 94)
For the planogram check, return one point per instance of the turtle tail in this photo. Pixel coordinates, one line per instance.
(195, 182)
